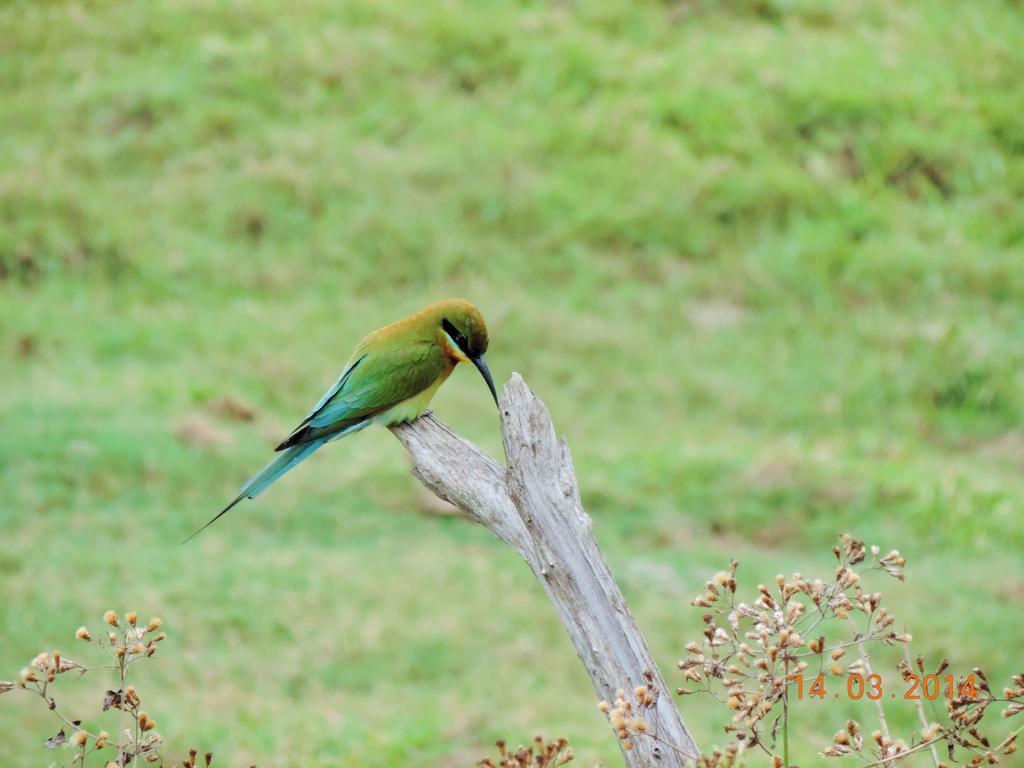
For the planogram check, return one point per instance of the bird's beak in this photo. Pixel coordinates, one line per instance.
(486, 373)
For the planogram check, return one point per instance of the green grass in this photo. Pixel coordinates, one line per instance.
(763, 259)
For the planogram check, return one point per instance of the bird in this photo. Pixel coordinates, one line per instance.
(389, 379)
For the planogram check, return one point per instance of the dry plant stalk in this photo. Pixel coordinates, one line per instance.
(124, 642)
(753, 653)
(541, 754)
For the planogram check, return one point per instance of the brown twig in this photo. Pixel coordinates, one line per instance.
(920, 712)
(882, 723)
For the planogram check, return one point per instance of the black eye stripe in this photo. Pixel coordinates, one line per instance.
(456, 335)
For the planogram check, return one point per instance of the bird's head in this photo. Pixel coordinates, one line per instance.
(464, 334)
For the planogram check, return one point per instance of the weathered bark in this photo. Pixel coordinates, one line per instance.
(534, 507)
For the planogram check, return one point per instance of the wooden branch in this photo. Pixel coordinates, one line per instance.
(535, 508)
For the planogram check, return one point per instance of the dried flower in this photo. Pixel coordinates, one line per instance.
(542, 754)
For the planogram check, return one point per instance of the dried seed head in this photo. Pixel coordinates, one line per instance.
(638, 725)
(111, 618)
(83, 634)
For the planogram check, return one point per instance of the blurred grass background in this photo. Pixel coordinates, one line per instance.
(761, 258)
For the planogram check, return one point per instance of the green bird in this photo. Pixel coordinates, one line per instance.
(390, 378)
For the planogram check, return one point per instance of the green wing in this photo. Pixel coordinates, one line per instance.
(374, 382)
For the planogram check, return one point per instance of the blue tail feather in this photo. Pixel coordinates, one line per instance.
(266, 477)
(283, 462)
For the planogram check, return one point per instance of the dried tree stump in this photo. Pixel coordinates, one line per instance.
(534, 507)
